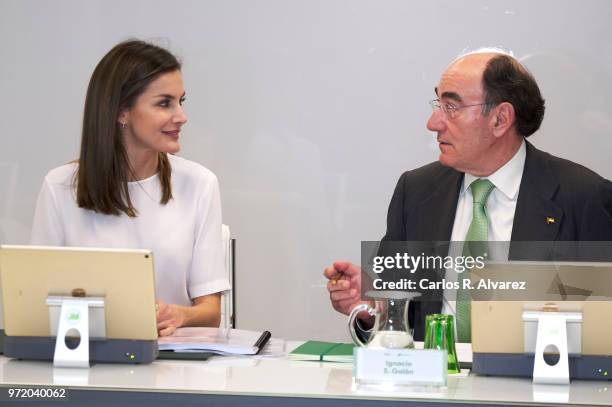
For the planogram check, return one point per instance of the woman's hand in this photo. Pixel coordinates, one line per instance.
(205, 311)
(169, 317)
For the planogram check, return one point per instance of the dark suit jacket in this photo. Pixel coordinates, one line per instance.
(425, 200)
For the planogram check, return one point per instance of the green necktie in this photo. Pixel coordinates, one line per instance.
(475, 245)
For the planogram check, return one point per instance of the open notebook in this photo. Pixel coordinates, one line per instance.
(217, 340)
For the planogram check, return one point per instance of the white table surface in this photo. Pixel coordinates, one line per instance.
(281, 377)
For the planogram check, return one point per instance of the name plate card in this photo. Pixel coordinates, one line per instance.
(401, 367)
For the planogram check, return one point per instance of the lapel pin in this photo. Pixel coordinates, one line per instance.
(550, 220)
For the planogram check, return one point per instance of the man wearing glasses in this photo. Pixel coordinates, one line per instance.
(487, 105)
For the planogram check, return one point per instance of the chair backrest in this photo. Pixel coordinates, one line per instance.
(227, 297)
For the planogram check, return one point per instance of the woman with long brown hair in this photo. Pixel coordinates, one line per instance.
(129, 190)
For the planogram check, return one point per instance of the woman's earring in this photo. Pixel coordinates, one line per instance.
(123, 126)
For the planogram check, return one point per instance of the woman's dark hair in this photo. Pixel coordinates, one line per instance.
(506, 80)
(104, 168)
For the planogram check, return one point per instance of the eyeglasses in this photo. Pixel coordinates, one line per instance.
(449, 109)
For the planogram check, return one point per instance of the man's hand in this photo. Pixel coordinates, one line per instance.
(169, 317)
(344, 288)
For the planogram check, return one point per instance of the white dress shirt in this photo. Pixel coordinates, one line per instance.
(500, 208)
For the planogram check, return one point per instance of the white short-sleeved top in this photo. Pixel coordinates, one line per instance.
(184, 235)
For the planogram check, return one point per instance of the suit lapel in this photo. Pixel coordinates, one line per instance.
(432, 220)
(435, 214)
(537, 217)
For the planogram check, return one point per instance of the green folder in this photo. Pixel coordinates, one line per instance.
(323, 351)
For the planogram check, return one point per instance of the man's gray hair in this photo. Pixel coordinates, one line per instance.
(486, 50)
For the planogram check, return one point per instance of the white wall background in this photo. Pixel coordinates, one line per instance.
(308, 111)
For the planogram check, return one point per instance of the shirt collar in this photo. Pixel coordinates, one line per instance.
(507, 178)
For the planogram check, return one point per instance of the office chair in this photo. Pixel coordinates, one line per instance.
(228, 308)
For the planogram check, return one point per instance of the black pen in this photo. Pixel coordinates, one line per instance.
(261, 342)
